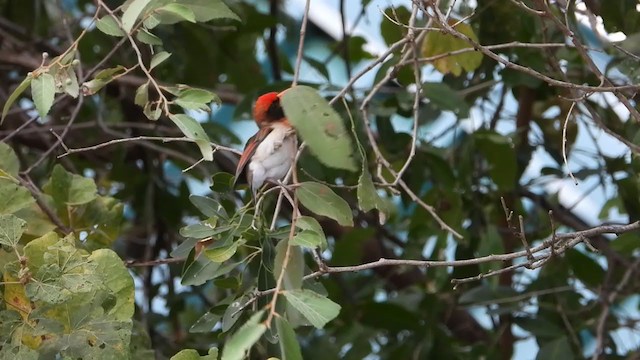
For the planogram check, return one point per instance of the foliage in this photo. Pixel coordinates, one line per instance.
(387, 243)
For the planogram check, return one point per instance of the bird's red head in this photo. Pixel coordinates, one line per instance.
(268, 110)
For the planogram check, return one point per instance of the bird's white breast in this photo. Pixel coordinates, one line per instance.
(273, 156)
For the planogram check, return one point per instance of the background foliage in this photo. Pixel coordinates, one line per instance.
(437, 241)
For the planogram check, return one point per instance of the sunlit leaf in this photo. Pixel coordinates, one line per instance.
(240, 342)
(323, 201)
(319, 126)
(15, 95)
(289, 346)
(132, 13)
(158, 59)
(14, 197)
(43, 91)
(142, 95)
(145, 36)
(70, 189)
(437, 43)
(193, 130)
(11, 229)
(108, 25)
(318, 309)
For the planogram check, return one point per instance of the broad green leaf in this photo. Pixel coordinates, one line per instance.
(14, 197)
(11, 229)
(178, 11)
(145, 36)
(196, 99)
(294, 271)
(70, 85)
(43, 91)
(560, 348)
(289, 346)
(190, 354)
(132, 13)
(445, 98)
(223, 253)
(240, 342)
(101, 79)
(233, 312)
(314, 232)
(368, 197)
(319, 126)
(9, 163)
(208, 206)
(437, 43)
(60, 271)
(318, 309)
(202, 230)
(109, 73)
(307, 239)
(540, 327)
(115, 277)
(193, 130)
(158, 58)
(102, 218)
(69, 189)
(198, 271)
(108, 25)
(321, 200)
(206, 10)
(142, 95)
(14, 96)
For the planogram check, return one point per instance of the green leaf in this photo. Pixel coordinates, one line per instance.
(445, 98)
(101, 79)
(321, 200)
(14, 96)
(559, 348)
(107, 74)
(69, 189)
(206, 10)
(199, 271)
(11, 229)
(193, 130)
(14, 197)
(43, 91)
(223, 253)
(319, 126)
(318, 309)
(132, 13)
(190, 354)
(9, 163)
(289, 346)
(307, 239)
(236, 347)
(144, 36)
(222, 182)
(179, 11)
(158, 59)
(208, 206)
(142, 95)
(293, 273)
(314, 233)
(437, 43)
(108, 25)
(70, 85)
(196, 99)
(116, 278)
(202, 230)
(151, 112)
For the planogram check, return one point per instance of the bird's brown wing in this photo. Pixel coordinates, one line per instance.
(250, 149)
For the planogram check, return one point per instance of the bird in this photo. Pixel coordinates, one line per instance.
(269, 154)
